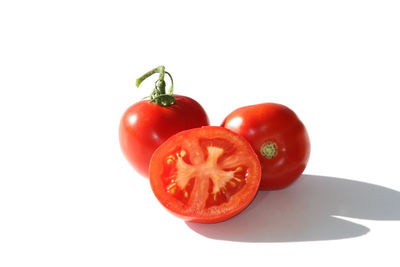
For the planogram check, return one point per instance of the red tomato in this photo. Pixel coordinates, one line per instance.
(278, 137)
(207, 174)
(145, 126)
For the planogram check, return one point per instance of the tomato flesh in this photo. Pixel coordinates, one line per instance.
(205, 174)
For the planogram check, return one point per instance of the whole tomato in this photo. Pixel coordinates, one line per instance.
(279, 139)
(147, 124)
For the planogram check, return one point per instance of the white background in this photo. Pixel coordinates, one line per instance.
(67, 72)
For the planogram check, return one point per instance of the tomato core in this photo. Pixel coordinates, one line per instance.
(214, 184)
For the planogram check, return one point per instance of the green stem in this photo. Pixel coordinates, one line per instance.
(158, 95)
(159, 69)
(171, 88)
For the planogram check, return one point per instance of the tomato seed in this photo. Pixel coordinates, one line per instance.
(171, 186)
(223, 190)
(183, 153)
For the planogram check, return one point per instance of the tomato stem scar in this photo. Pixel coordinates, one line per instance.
(269, 150)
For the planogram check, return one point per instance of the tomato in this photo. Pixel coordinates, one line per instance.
(278, 137)
(146, 125)
(206, 174)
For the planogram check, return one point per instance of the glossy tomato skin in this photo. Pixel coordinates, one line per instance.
(276, 126)
(195, 202)
(145, 126)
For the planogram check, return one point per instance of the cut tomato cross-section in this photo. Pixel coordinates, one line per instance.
(206, 174)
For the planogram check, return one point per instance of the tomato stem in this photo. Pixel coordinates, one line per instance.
(158, 95)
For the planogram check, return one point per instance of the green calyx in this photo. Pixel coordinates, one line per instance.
(159, 96)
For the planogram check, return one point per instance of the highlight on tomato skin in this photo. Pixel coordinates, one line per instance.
(206, 174)
(279, 139)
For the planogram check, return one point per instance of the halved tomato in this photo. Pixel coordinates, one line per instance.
(206, 174)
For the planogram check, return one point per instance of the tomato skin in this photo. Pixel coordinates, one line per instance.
(278, 125)
(188, 140)
(145, 126)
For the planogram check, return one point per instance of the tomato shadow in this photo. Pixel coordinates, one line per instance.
(312, 209)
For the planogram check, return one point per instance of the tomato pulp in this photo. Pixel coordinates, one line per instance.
(207, 174)
(145, 126)
(278, 137)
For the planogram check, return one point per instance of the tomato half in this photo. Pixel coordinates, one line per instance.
(278, 137)
(145, 126)
(206, 174)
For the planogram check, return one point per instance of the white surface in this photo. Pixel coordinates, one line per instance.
(67, 73)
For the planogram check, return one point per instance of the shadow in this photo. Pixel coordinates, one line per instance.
(308, 211)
